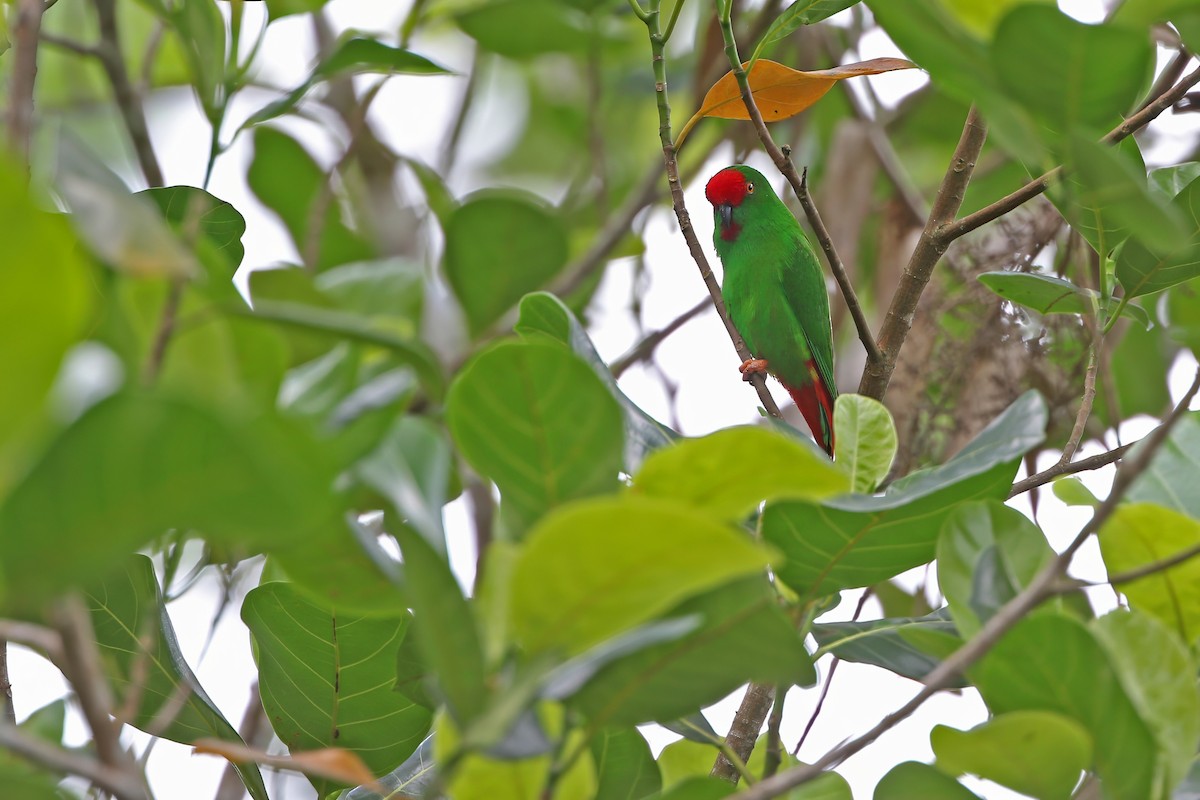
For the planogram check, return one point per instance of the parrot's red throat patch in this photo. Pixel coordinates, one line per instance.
(727, 187)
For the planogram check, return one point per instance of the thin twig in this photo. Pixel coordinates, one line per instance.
(255, 735)
(318, 210)
(743, 731)
(1060, 469)
(81, 665)
(63, 43)
(115, 781)
(839, 270)
(449, 152)
(800, 187)
(38, 637)
(1043, 585)
(1089, 394)
(164, 332)
(25, 31)
(576, 273)
(812, 720)
(1146, 570)
(646, 347)
(925, 257)
(658, 62)
(773, 758)
(127, 100)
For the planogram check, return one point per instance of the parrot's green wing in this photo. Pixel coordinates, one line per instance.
(804, 287)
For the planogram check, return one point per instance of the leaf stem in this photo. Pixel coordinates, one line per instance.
(666, 37)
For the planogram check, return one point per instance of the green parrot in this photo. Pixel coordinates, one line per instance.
(775, 293)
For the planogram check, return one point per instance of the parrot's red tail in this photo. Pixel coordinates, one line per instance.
(815, 402)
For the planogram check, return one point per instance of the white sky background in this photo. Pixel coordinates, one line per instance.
(699, 360)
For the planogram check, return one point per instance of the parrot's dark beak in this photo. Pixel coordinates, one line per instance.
(725, 213)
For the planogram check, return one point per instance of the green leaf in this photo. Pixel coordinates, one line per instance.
(194, 213)
(498, 247)
(524, 28)
(342, 565)
(625, 768)
(986, 554)
(536, 420)
(934, 39)
(800, 12)
(1053, 663)
(326, 679)
(1036, 753)
(388, 289)
(860, 540)
(1072, 492)
(912, 780)
(411, 467)
(1146, 266)
(283, 8)
(1138, 367)
(1141, 534)
(338, 325)
(124, 230)
(866, 442)
(685, 759)
(1173, 180)
(901, 645)
(138, 465)
(598, 567)
(45, 303)
(355, 55)
(1045, 294)
(745, 637)
(1157, 671)
(699, 788)
(358, 54)
(1070, 75)
(1114, 198)
(411, 779)
(141, 655)
(728, 473)
(543, 314)
(286, 179)
(1170, 478)
(201, 30)
(482, 777)
(982, 18)
(445, 628)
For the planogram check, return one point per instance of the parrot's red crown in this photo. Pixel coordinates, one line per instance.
(727, 187)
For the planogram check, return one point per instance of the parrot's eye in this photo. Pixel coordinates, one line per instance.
(749, 188)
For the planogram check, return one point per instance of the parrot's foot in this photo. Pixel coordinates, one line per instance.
(751, 366)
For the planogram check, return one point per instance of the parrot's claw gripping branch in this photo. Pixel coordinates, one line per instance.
(751, 367)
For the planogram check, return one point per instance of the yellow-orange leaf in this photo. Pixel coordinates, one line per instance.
(780, 91)
(334, 763)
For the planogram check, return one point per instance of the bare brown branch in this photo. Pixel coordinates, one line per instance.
(1060, 469)
(646, 347)
(925, 256)
(128, 101)
(25, 31)
(115, 781)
